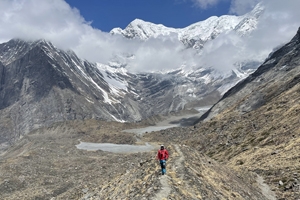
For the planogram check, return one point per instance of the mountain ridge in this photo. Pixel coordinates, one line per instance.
(41, 85)
(251, 136)
(196, 34)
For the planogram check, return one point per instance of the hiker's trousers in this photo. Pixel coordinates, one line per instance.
(163, 166)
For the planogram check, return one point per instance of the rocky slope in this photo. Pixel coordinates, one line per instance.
(255, 127)
(41, 85)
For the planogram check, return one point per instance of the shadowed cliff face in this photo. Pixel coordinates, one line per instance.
(32, 75)
(41, 85)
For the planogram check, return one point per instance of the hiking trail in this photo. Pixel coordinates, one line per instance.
(174, 174)
(165, 190)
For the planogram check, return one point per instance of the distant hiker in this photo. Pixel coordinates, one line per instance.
(162, 156)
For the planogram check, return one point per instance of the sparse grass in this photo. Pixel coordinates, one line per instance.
(265, 133)
(50, 153)
(276, 127)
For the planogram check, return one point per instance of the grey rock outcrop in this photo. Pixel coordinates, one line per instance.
(41, 85)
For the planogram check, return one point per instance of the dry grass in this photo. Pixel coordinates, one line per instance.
(264, 141)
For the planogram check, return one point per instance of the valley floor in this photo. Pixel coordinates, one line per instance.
(47, 165)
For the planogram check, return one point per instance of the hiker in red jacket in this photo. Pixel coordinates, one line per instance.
(162, 156)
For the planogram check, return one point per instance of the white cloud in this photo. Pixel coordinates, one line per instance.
(57, 22)
(161, 55)
(240, 7)
(204, 4)
(277, 26)
(32, 19)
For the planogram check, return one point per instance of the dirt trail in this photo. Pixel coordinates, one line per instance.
(167, 181)
(177, 182)
(179, 168)
(166, 188)
(164, 180)
(179, 161)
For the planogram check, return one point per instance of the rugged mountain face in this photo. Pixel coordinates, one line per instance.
(195, 35)
(41, 85)
(195, 40)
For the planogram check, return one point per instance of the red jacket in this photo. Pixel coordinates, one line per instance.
(162, 154)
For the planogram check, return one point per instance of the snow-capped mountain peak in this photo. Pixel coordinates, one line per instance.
(197, 34)
(140, 29)
(250, 20)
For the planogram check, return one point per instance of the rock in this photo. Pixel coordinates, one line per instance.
(87, 196)
(280, 183)
(275, 152)
(85, 190)
(288, 187)
(295, 174)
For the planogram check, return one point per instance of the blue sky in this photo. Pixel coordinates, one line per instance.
(108, 14)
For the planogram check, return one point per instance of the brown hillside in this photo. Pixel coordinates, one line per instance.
(256, 126)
